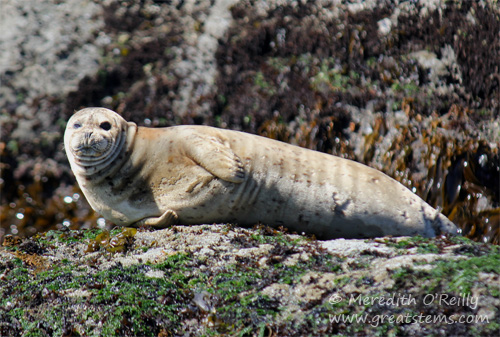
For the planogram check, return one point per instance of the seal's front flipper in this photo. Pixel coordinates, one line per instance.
(169, 218)
(217, 158)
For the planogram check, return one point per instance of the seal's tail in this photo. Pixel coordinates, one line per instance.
(442, 225)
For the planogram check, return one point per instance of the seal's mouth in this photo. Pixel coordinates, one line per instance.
(92, 156)
(88, 148)
(88, 151)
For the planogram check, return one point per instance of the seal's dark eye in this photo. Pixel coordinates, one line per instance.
(105, 126)
(77, 125)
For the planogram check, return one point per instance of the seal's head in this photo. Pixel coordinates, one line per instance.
(94, 138)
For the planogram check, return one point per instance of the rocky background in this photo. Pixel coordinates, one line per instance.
(410, 88)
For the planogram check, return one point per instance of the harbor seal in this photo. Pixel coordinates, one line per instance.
(137, 176)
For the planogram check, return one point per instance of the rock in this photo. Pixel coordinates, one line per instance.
(54, 51)
(165, 282)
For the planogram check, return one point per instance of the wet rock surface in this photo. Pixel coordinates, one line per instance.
(409, 88)
(223, 280)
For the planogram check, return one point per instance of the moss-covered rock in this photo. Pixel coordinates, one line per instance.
(213, 280)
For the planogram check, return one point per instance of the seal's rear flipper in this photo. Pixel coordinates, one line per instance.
(442, 225)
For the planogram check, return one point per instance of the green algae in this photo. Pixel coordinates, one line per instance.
(154, 298)
(123, 298)
(463, 274)
(263, 84)
(423, 245)
(250, 311)
(335, 79)
(455, 276)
